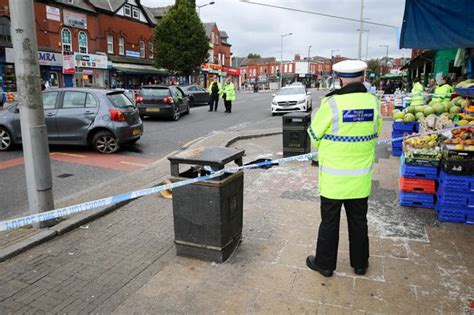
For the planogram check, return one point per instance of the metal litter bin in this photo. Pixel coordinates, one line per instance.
(208, 215)
(295, 136)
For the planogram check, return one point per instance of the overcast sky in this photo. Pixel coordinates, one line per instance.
(253, 28)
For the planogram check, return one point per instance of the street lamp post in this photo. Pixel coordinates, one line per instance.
(281, 57)
(309, 64)
(386, 55)
(202, 6)
(332, 63)
(367, 44)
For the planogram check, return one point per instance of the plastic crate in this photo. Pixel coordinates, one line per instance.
(460, 167)
(398, 134)
(416, 185)
(448, 182)
(423, 172)
(456, 198)
(396, 151)
(408, 199)
(451, 214)
(406, 126)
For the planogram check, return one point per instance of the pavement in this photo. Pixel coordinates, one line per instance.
(124, 260)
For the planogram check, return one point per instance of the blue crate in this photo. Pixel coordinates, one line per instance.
(397, 134)
(455, 183)
(456, 198)
(451, 214)
(417, 200)
(423, 172)
(397, 151)
(406, 126)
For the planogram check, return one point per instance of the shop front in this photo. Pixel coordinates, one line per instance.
(131, 72)
(90, 70)
(210, 70)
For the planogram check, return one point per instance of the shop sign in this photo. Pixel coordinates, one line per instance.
(69, 66)
(45, 58)
(90, 61)
(74, 19)
(132, 53)
(53, 13)
(232, 71)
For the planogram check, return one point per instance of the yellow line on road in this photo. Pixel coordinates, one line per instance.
(68, 154)
(135, 164)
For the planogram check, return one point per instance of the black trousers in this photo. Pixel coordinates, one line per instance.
(214, 101)
(328, 236)
(228, 106)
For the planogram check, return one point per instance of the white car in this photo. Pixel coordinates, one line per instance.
(292, 98)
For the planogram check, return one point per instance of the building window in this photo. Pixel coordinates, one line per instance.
(142, 49)
(121, 45)
(135, 13)
(66, 39)
(151, 54)
(223, 59)
(127, 10)
(290, 68)
(285, 68)
(5, 36)
(211, 56)
(110, 44)
(83, 46)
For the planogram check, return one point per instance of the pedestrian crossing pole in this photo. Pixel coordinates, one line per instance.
(33, 127)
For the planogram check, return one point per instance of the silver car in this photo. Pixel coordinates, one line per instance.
(103, 119)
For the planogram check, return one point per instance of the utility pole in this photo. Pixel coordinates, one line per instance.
(39, 180)
(309, 64)
(386, 55)
(281, 58)
(332, 64)
(361, 28)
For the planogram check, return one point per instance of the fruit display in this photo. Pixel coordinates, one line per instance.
(422, 142)
(461, 140)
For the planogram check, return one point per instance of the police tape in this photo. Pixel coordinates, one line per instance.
(90, 205)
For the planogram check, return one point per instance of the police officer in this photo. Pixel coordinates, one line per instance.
(417, 91)
(215, 90)
(345, 129)
(442, 91)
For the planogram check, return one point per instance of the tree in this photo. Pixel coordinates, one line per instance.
(180, 39)
(253, 56)
(374, 65)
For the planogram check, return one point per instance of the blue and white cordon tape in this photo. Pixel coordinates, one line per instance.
(90, 205)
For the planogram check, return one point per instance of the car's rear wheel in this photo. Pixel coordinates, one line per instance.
(6, 141)
(105, 142)
(176, 113)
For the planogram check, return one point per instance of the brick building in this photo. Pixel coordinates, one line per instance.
(263, 71)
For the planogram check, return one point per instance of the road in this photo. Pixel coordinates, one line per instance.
(77, 168)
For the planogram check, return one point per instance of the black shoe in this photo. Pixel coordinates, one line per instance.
(361, 271)
(311, 263)
(210, 110)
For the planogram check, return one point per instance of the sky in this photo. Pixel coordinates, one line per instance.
(257, 29)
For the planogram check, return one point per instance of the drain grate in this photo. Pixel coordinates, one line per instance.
(65, 175)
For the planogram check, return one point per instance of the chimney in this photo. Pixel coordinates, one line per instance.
(297, 57)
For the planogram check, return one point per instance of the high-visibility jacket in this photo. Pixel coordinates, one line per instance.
(218, 85)
(418, 98)
(442, 93)
(229, 91)
(345, 129)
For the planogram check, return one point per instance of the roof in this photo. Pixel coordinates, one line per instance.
(223, 34)
(158, 12)
(419, 60)
(107, 5)
(78, 4)
(208, 27)
(257, 61)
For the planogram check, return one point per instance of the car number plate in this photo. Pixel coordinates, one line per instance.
(137, 132)
(154, 110)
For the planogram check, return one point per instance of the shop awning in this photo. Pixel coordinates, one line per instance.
(438, 24)
(418, 61)
(393, 75)
(137, 69)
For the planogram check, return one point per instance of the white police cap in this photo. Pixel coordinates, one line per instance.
(350, 68)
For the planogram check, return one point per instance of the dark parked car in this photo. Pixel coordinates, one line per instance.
(162, 101)
(103, 119)
(197, 95)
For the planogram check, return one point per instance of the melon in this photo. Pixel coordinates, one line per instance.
(419, 115)
(397, 115)
(411, 109)
(428, 111)
(420, 108)
(465, 103)
(455, 110)
(409, 117)
(439, 108)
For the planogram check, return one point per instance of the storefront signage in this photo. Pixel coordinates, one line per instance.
(45, 58)
(132, 53)
(69, 66)
(53, 13)
(232, 71)
(90, 61)
(74, 19)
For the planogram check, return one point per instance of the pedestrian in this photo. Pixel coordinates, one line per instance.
(345, 129)
(214, 90)
(228, 94)
(417, 91)
(443, 90)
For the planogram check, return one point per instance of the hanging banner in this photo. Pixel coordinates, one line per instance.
(53, 13)
(90, 61)
(69, 66)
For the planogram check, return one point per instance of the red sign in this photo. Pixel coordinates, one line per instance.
(68, 64)
(232, 71)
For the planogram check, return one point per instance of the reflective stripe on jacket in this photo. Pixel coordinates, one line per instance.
(417, 99)
(229, 91)
(345, 129)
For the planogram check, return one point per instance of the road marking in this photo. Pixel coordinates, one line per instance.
(11, 163)
(68, 154)
(135, 164)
